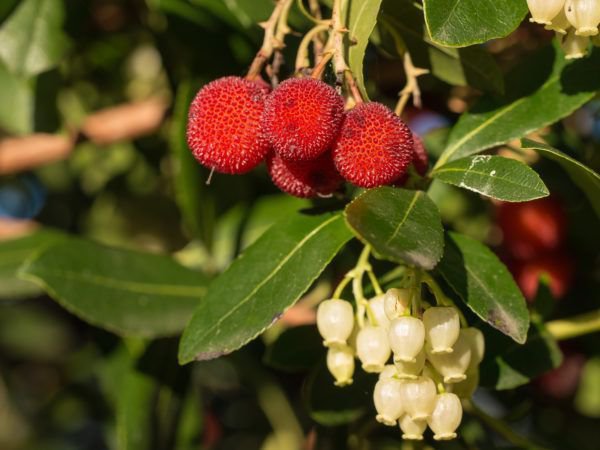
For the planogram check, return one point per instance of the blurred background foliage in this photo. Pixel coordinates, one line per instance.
(67, 385)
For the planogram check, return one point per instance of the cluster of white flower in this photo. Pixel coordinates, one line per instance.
(573, 20)
(435, 361)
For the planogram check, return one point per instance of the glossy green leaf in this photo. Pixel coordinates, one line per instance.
(128, 293)
(584, 177)
(508, 364)
(458, 23)
(296, 349)
(13, 253)
(470, 66)
(32, 37)
(485, 285)
(17, 107)
(362, 17)
(540, 91)
(401, 225)
(264, 281)
(330, 405)
(494, 176)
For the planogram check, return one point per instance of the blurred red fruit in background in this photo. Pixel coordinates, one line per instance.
(558, 267)
(562, 382)
(531, 228)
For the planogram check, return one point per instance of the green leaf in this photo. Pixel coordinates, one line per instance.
(401, 225)
(587, 399)
(17, 107)
(362, 18)
(494, 176)
(128, 293)
(485, 285)
(32, 37)
(330, 405)
(13, 253)
(508, 365)
(296, 349)
(267, 279)
(584, 177)
(540, 91)
(471, 66)
(458, 23)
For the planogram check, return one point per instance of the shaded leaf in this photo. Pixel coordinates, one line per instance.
(401, 225)
(296, 349)
(458, 23)
(485, 285)
(584, 177)
(126, 292)
(264, 281)
(494, 176)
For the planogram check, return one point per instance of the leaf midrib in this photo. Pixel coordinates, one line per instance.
(406, 213)
(484, 174)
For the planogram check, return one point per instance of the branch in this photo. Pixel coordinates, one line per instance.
(412, 85)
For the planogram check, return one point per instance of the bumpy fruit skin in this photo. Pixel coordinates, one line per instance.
(374, 147)
(302, 118)
(304, 179)
(531, 228)
(223, 129)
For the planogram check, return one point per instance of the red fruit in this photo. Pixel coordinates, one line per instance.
(420, 158)
(224, 125)
(302, 118)
(532, 227)
(559, 268)
(374, 147)
(304, 178)
(562, 382)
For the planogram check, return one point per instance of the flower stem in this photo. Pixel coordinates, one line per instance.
(302, 59)
(575, 326)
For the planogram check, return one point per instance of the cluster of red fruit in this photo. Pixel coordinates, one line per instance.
(534, 235)
(311, 145)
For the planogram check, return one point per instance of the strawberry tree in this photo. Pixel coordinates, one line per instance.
(387, 219)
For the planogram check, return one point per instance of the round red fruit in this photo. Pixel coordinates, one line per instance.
(305, 179)
(532, 227)
(558, 268)
(420, 158)
(223, 129)
(374, 147)
(302, 118)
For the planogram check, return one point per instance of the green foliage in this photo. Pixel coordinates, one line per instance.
(493, 176)
(296, 349)
(400, 225)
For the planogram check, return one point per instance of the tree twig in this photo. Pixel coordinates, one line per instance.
(412, 86)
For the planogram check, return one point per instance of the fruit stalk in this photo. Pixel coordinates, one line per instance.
(574, 326)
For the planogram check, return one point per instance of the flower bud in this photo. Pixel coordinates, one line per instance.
(466, 388)
(477, 344)
(543, 11)
(407, 336)
(418, 397)
(396, 302)
(452, 366)
(412, 429)
(442, 326)
(340, 362)
(335, 320)
(584, 15)
(387, 397)
(559, 23)
(574, 46)
(446, 416)
(377, 308)
(373, 348)
(389, 371)
(409, 370)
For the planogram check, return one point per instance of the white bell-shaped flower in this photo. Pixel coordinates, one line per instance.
(442, 326)
(388, 371)
(477, 342)
(584, 15)
(407, 336)
(452, 366)
(543, 11)
(387, 397)
(412, 429)
(340, 362)
(378, 309)
(418, 397)
(335, 320)
(373, 348)
(559, 23)
(446, 416)
(466, 388)
(574, 46)
(409, 370)
(396, 302)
